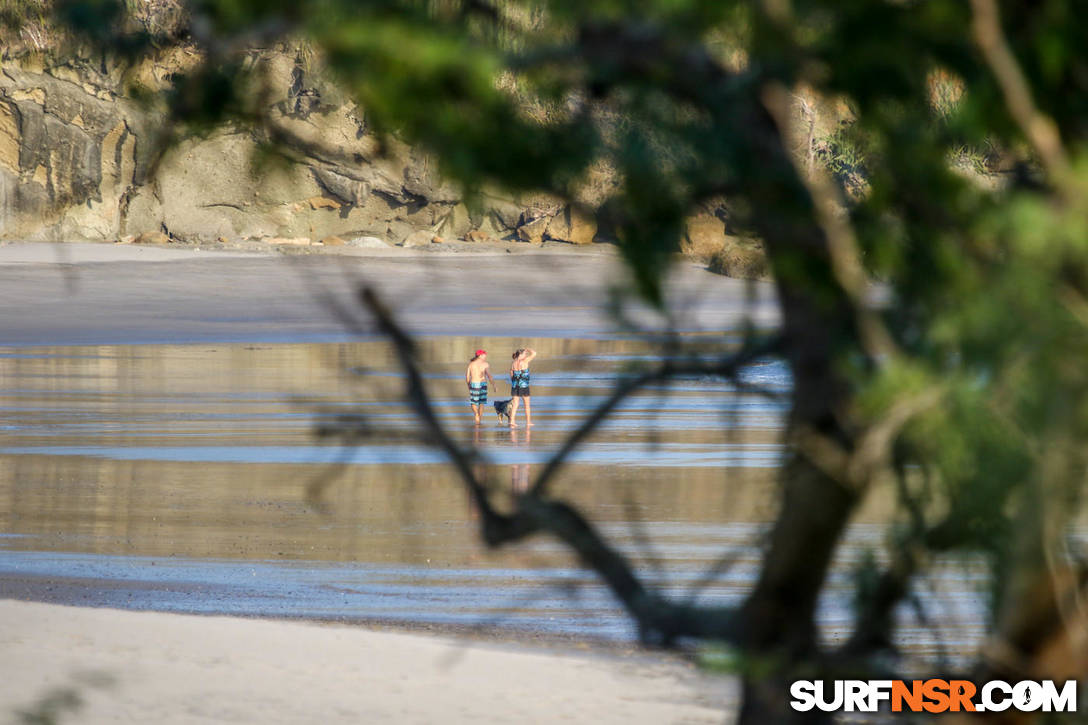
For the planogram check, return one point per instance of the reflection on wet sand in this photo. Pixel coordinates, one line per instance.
(519, 472)
(175, 477)
(206, 451)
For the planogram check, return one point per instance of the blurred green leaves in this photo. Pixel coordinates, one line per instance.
(437, 86)
(986, 275)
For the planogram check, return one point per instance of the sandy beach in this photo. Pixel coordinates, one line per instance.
(95, 665)
(141, 667)
(58, 294)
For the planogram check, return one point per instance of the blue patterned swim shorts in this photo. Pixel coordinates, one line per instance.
(477, 393)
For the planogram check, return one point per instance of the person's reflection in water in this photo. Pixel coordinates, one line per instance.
(519, 472)
(480, 472)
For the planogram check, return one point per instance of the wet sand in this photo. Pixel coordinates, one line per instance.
(101, 665)
(174, 478)
(157, 667)
(60, 294)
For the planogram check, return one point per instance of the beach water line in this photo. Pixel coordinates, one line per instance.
(173, 478)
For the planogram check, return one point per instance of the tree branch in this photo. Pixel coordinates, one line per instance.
(497, 527)
(728, 367)
(659, 620)
(1039, 129)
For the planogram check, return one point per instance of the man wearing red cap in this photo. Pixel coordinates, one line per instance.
(477, 375)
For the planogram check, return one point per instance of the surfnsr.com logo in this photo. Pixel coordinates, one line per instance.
(933, 696)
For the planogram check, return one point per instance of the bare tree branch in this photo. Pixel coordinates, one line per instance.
(659, 620)
(728, 368)
(1039, 129)
(497, 527)
(842, 243)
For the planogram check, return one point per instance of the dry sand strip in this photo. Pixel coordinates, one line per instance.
(147, 667)
(85, 294)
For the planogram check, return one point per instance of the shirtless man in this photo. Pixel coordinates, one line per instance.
(477, 375)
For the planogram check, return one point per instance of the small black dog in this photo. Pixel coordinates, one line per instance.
(502, 407)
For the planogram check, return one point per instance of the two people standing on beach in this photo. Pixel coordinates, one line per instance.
(479, 373)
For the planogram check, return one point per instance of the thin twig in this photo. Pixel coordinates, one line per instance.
(728, 367)
(842, 245)
(497, 527)
(659, 620)
(1039, 129)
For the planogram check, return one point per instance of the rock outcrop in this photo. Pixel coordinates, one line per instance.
(572, 225)
(81, 160)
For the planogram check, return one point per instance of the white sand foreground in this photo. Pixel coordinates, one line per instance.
(145, 667)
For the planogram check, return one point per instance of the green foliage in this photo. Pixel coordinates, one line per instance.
(987, 287)
(438, 87)
(15, 13)
(847, 153)
(94, 18)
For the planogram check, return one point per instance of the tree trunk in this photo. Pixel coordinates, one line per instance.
(778, 617)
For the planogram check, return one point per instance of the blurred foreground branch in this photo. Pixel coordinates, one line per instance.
(659, 620)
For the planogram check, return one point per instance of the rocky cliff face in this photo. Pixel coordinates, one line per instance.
(79, 161)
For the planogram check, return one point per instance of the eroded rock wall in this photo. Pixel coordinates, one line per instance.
(68, 153)
(81, 161)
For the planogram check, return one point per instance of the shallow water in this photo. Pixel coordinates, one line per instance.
(175, 478)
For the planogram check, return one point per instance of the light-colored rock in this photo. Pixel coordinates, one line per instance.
(33, 94)
(503, 214)
(118, 160)
(76, 164)
(9, 139)
(340, 186)
(494, 230)
(422, 181)
(143, 211)
(533, 231)
(282, 216)
(321, 202)
(152, 238)
(398, 231)
(421, 238)
(93, 221)
(367, 243)
(456, 223)
(76, 159)
(9, 219)
(209, 189)
(420, 216)
(289, 241)
(572, 225)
